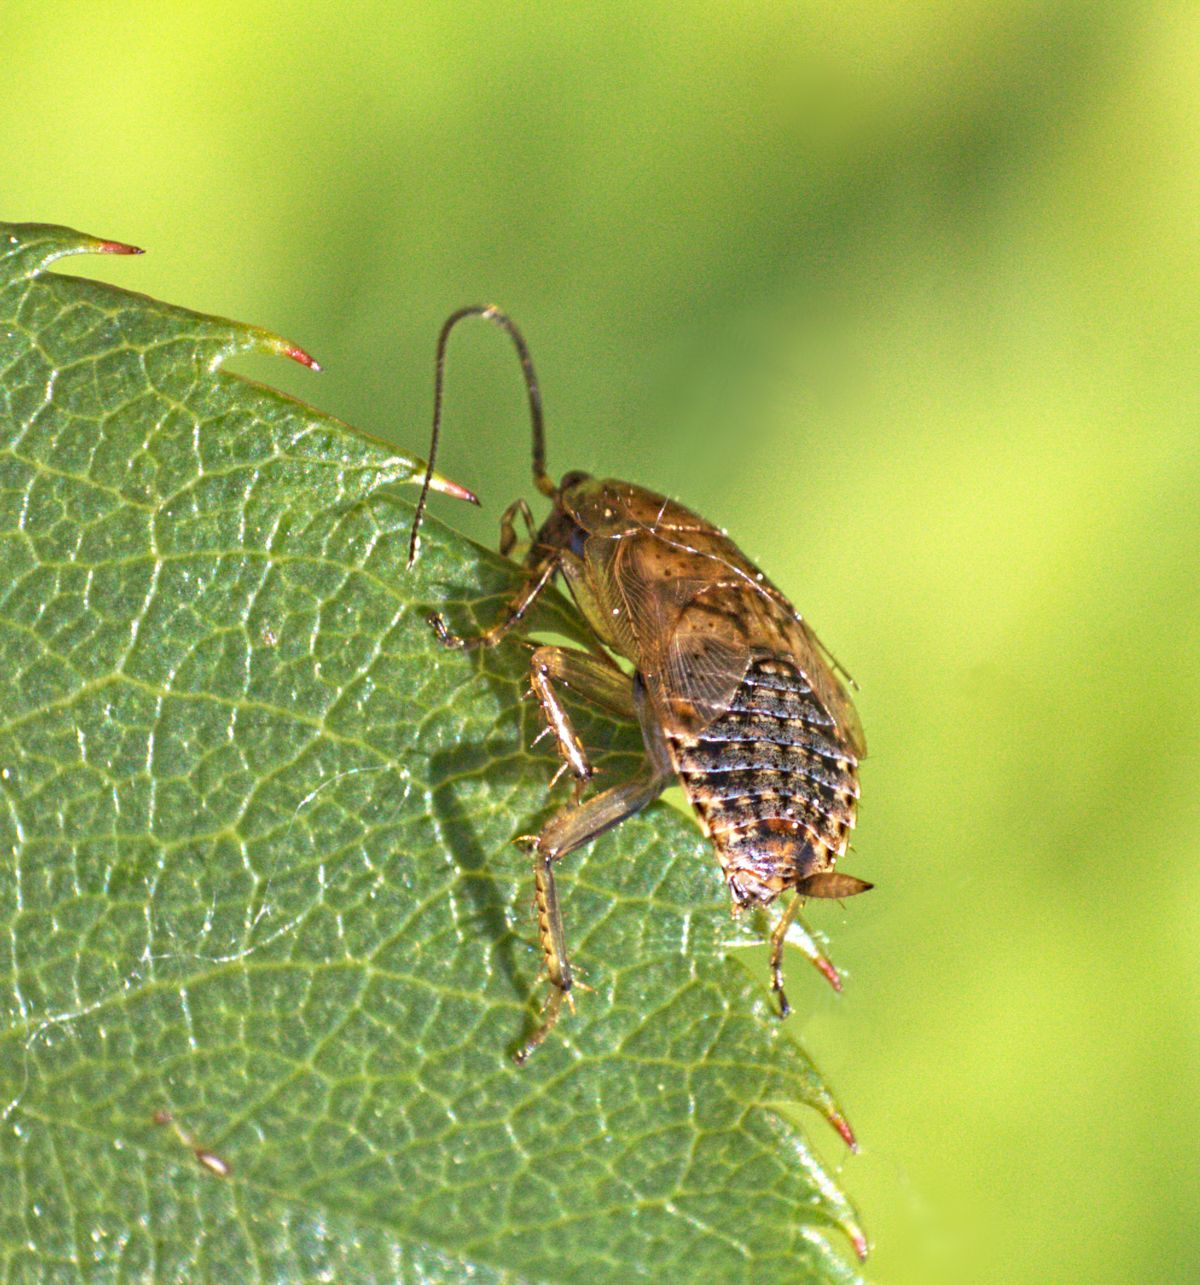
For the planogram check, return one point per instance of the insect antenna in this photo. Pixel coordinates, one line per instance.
(489, 312)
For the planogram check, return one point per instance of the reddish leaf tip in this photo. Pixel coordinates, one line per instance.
(296, 353)
(119, 247)
(859, 1241)
(453, 489)
(829, 972)
(842, 1125)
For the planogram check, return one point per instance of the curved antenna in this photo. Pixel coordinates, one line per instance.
(489, 312)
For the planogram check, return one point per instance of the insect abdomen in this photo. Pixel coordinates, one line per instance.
(772, 781)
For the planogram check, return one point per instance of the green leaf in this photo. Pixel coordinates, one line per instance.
(260, 900)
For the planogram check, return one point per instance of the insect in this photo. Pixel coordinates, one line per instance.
(735, 697)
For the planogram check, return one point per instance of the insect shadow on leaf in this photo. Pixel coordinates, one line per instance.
(476, 877)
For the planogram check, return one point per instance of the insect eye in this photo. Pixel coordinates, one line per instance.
(571, 479)
(576, 540)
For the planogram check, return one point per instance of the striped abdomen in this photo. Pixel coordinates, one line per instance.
(773, 781)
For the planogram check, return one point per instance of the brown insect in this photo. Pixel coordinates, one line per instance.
(736, 698)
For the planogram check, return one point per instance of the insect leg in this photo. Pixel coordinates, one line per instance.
(824, 884)
(598, 681)
(567, 830)
(539, 578)
(778, 937)
(508, 532)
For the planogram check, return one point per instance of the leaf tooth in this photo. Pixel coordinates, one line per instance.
(842, 1125)
(858, 1239)
(296, 353)
(35, 246)
(117, 247)
(278, 346)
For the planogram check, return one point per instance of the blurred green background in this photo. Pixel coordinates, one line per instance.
(905, 296)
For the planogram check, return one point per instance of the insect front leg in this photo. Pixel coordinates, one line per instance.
(539, 577)
(598, 681)
(508, 532)
(567, 830)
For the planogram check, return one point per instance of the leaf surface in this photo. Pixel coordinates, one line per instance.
(267, 944)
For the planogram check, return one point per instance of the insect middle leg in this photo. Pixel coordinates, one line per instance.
(579, 823)
(597, 681)
(567, 830)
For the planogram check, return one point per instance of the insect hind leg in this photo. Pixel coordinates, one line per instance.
(778, 938)
(804, 941)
